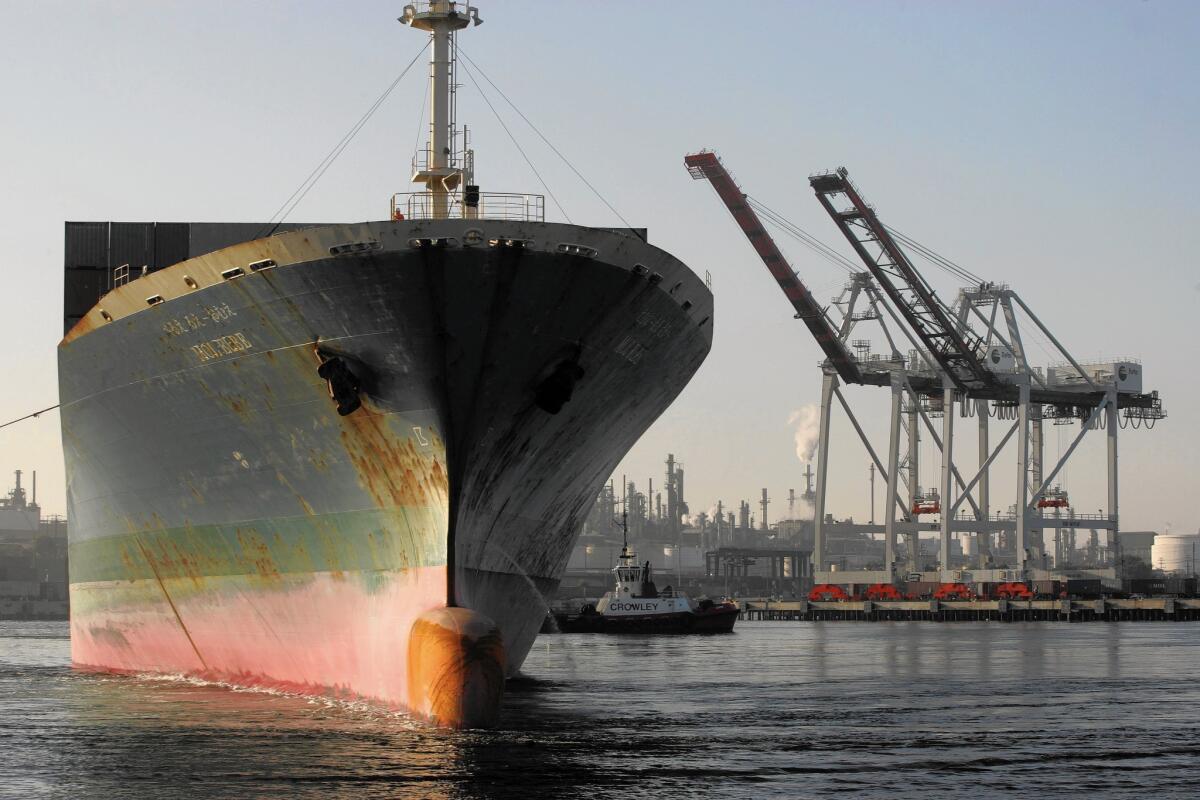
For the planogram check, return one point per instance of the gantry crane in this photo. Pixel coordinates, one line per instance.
(951, 364)
(957, 349)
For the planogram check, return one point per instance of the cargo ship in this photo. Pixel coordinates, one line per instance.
(352, 459)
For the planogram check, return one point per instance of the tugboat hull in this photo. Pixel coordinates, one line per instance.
(718, 619)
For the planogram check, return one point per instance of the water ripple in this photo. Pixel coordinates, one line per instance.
(775, 710)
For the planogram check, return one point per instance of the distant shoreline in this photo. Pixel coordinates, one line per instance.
(35, 610)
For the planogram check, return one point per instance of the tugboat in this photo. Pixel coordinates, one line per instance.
(635, 605)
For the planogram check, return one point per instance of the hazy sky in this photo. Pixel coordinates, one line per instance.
(1050, 146)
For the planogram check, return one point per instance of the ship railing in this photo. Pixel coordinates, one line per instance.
(440, 6)
(460, 161)
(489, 205)
(1009, 516)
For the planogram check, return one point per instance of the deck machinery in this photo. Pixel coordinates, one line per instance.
(967, 356)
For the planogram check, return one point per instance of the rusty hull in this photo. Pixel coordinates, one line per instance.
(210, 477)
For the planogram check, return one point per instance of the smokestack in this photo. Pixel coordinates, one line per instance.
(791, 503)
(679, 489)
(35, 487)
(672, 495)
(744, 511)
(763, 502)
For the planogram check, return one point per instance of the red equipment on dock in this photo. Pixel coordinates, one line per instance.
(827, 591)
(1013, 591)
(883, 591)
(953, 591)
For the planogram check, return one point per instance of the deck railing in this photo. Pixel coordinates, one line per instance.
(491, 205)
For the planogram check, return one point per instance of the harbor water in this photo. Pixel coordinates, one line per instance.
(776, 709)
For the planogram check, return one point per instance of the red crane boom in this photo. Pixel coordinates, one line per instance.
(706, 165)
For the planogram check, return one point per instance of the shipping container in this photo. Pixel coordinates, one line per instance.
(170, 243)
(1180, 587)
(1085, 587)
(1146, 586)
(131, 243)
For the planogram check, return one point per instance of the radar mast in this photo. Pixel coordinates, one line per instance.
(439, 168)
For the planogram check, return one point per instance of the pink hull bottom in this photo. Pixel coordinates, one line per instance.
(385, 637)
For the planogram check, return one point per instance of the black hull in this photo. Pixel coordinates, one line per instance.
(716, 620)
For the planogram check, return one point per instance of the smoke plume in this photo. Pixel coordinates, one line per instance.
(807, 422)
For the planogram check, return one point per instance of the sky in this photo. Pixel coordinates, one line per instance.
(1050, 146)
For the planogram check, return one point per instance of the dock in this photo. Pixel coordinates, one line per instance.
(1155, 609)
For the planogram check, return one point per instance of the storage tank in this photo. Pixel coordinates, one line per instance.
(1175, 552)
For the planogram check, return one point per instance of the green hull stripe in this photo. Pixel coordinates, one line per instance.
(366, 540)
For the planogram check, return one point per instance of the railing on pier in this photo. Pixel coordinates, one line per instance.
(491, 205)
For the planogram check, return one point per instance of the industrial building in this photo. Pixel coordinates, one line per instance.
(1175, 553)
(33, 557)
(726, 553)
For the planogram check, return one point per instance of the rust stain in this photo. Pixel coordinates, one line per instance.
(391, 468)
(128, 561)
(308, 509)
(171, 603)
(86, 325)
(373, 546)
(256, 551)
(330, 541)
(192, 555)
(300, 556)
(318, 459)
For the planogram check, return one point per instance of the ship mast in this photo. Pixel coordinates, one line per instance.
(438, 170)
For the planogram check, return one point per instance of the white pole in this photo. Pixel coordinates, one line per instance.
(947, 476)
(1037, 446)
(983, 538)
(893, 478)
(828, 384)
(1113, 510)
(439, 112)
(1022, 472)
(913, 540)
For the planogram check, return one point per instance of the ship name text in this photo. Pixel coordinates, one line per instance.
(201, 318)
(222, 346)
(633, 606)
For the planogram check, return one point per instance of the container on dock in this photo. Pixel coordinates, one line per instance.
(985, 590)
(1046, 588)
(1180, 587)
(1146, 586)
(1084, 587)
